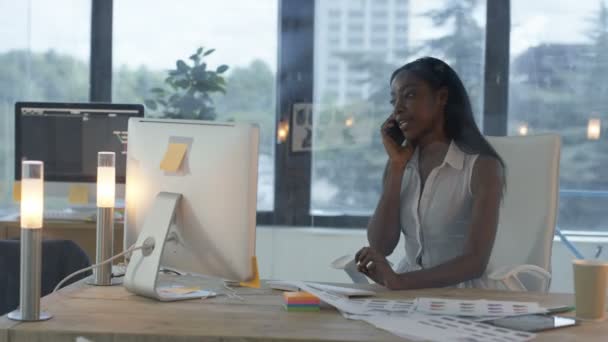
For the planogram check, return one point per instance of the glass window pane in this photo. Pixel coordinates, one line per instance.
(557, 84)
(44, 56)
(147, 47)
(351, 90)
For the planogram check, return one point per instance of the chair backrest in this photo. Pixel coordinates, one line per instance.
(529, 209)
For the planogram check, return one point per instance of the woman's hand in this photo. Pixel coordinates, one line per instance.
(397, 154)
(375, 266)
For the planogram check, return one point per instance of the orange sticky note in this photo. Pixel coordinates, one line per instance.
(79, 194)
(300, 297)
(17, 191)
(255, 281)
(173, 157)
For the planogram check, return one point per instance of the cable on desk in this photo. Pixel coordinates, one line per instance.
(129, 250)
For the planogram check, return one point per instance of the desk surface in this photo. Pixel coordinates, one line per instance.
(113, 314)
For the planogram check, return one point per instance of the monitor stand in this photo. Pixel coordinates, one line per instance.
(142, 271)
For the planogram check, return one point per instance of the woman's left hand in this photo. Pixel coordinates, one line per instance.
(374, 265)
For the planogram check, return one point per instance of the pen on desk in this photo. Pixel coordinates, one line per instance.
(560, 309)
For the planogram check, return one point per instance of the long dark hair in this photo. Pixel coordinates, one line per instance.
(459, 123)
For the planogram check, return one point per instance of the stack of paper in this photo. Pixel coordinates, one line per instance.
(418, 326)
(406, 318)
(300, 302)
(476, 308)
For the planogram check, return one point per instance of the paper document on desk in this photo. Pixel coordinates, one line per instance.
(399, 317)
(361, 306)
(288, 285)
(345, 291)
(173, 293)
(476, 308)
(420, 327)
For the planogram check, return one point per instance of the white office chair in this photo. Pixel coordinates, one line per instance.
(521, 257)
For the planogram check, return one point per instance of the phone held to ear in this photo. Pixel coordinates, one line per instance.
(395, 133)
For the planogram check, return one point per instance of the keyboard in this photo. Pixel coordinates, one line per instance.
(68, 215)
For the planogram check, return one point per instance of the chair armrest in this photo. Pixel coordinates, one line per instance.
(509, 276)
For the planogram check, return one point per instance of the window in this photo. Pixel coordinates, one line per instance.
(380, 14)
(44, 56)
(355, 14)
(334, 27)
(401, 28)
(355, 27)
(379, 28)
(348, 157)
(557, 84)
(378, 42)
(353, 95)
(332, 13)
(355, 42)
(400, 43)
(144, 50)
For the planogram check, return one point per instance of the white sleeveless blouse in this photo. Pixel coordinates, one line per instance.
(436, 223)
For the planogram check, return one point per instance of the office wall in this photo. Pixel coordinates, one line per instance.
(306, 254)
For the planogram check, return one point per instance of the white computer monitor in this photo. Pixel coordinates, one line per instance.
(212, 197)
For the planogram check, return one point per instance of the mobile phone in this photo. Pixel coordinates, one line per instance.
(533, 323)
(395, 133)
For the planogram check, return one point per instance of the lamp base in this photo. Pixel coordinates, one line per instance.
(114, 281)
(16, 316)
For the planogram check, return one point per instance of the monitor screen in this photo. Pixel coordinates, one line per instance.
(67, 137)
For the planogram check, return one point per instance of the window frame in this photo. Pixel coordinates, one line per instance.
(293, 187)
(294, 84)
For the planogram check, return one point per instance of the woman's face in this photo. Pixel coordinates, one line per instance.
(418, 109)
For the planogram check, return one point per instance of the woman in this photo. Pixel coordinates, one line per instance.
(442, 186)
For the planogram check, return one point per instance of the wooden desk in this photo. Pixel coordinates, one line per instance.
(113, 314)
(81, 232)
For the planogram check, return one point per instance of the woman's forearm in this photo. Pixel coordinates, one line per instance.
(383, 228)
(462, 268)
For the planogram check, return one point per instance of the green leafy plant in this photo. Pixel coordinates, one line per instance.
(190, 87)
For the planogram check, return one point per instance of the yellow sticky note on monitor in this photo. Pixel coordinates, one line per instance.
(255, 281)
(173, 157)
(17, 191)
(79, 194)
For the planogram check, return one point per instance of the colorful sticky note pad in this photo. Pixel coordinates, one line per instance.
(300, 302)
(79, 194)
(304, 308)
(173, 157)
(17, 191)
(300, 298)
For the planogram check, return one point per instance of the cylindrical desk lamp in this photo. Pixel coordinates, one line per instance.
(106, 176)
(32, 206)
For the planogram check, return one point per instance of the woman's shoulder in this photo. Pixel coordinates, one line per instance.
(488, 172)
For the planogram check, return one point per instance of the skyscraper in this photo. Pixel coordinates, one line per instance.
(348, 32)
